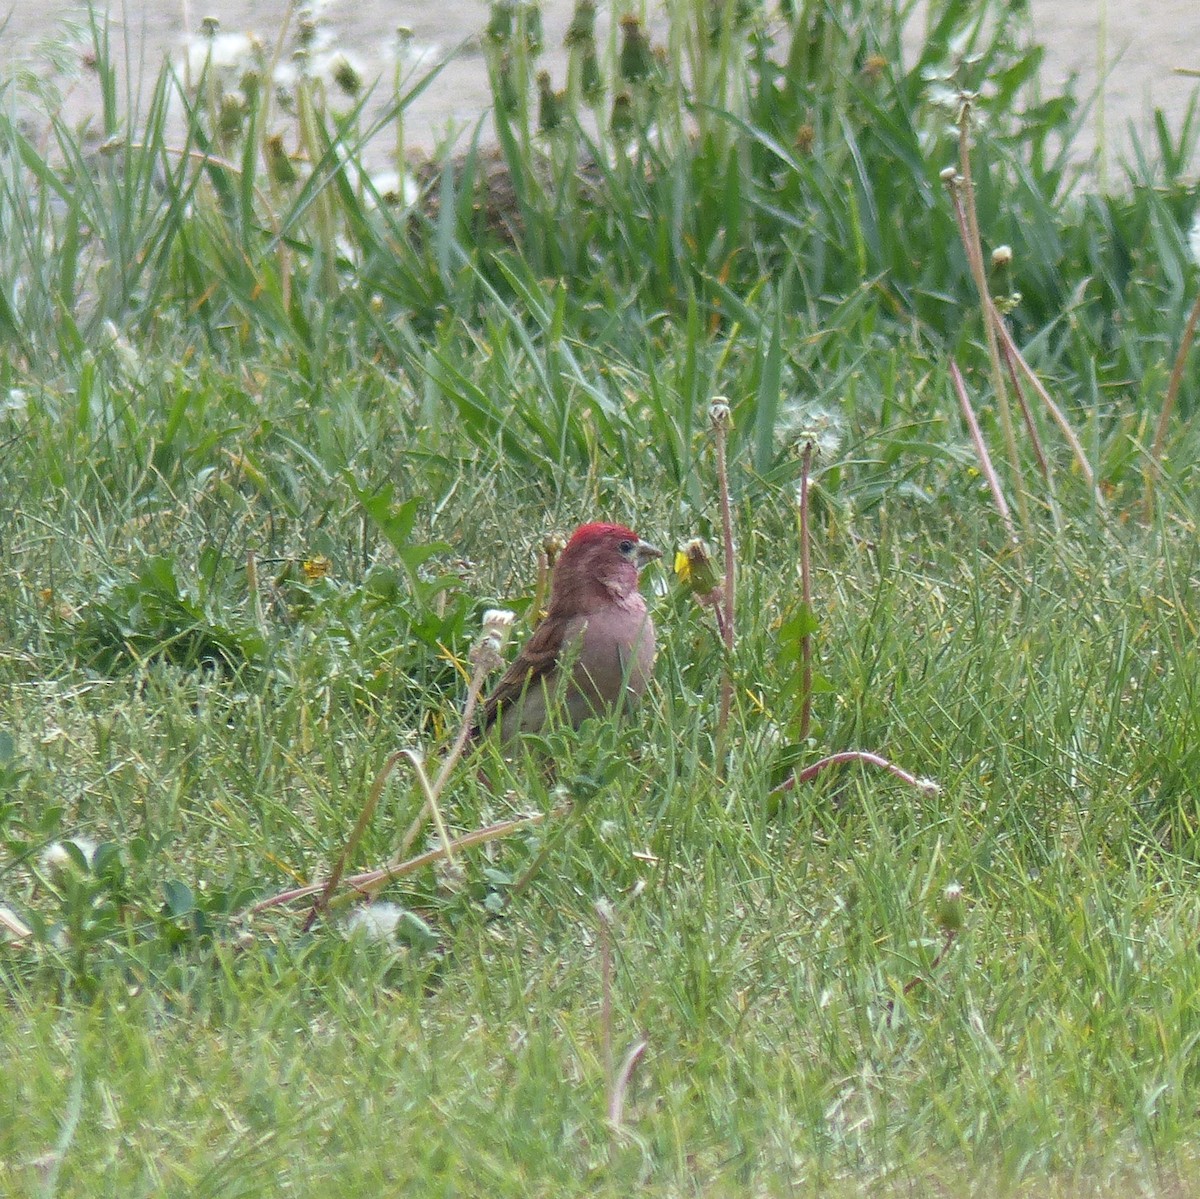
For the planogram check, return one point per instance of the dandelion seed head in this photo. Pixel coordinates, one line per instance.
(806, 426)
(227, 53)
(487, 651)
(375, 922)
(393, 189)
(57, 860)
(497, 622)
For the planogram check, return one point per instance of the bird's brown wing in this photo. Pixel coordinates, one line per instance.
(535, 663)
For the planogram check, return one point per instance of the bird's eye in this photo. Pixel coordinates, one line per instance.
(627, 547)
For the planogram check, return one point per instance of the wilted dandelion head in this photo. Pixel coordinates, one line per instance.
(500, 22)
(582, 30)
(810, 427)
(621, 117)
(279, 164)
(316, 568)
(952, 909)
(345, 71)
(719, 412)
(694, 567)
(307, 29)
(550, 104)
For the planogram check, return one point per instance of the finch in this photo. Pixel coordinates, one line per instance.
(596, 626)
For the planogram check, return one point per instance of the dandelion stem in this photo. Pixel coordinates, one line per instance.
(14, 926)
(720, 410)
(1039, 453)
(1164, 417)
(433, 791)
(604, 923)
(616, 1103)
(962, 194)
(805, 597)
(981, 451)
(484, 657)
(371, 882)
(853, 755)
(1014, 356)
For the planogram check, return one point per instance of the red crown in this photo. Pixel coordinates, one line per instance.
(587, 534)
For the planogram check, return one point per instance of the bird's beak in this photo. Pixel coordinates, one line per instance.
(646, 553)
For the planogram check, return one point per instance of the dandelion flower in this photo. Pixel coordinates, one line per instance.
(694, 567)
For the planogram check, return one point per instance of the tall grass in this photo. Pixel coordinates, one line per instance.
(276, 429)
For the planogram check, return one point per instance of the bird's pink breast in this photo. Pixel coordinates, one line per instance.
(616, 654)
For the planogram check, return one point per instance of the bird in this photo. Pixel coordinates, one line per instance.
(596, 626)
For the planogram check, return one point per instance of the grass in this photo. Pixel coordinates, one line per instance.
(273, 438)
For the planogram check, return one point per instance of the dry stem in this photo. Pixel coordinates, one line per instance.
(805, 596)
(985, 461)
(616, 1103)
(1015, 358)
(854, 755)
(720, 420)
(1164, 417)
(605, 932)
(1035, 440)
(962, 191)
(371, 882)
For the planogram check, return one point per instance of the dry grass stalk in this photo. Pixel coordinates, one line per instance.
(981, 451)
